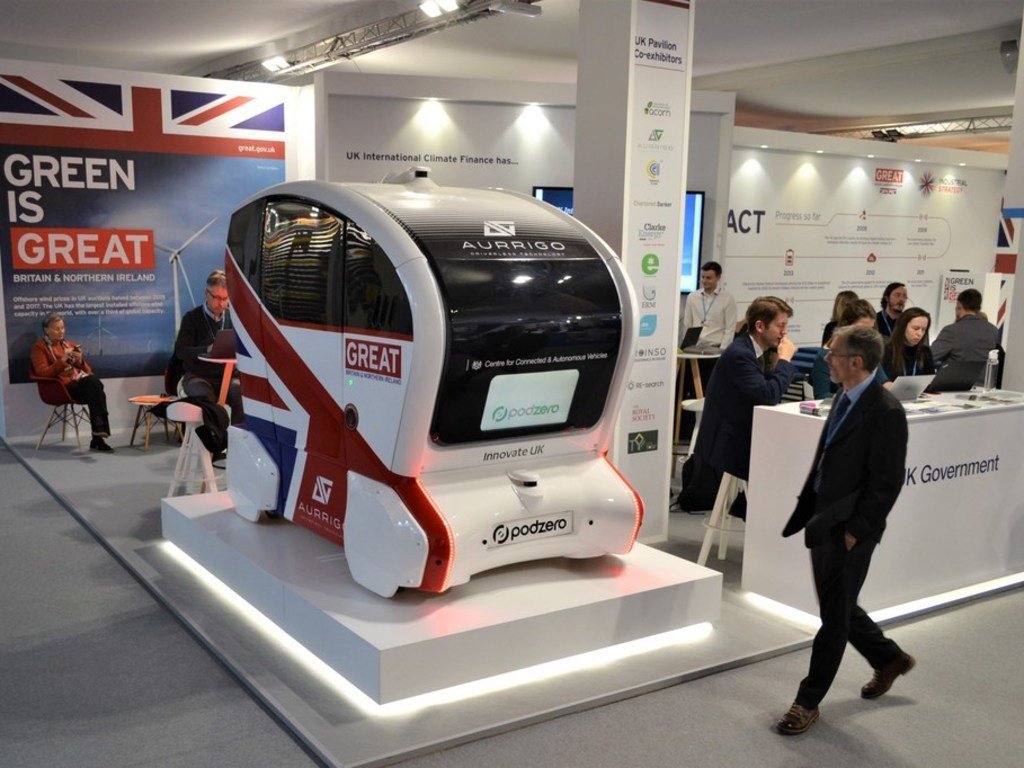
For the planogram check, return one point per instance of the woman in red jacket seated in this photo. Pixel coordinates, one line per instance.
(54, 357)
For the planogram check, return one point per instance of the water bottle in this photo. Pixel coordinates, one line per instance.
(991, 369)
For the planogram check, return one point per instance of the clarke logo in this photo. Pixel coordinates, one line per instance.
(653, 169)
(322, 489)
(648, 325)
(651, 232)
(656, 135)
(649, 264)
(499, 229)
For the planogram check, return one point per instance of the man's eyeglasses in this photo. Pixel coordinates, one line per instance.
(216, 297)
(830, 353)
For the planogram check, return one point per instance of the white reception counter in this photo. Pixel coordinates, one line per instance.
(959, 519)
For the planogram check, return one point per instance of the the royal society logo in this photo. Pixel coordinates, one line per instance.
(528, 528)
(322, 489)
(648, 325)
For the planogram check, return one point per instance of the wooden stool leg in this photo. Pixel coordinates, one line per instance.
(717, 516)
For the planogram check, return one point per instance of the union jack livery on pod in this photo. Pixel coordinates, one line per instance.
(431, 377)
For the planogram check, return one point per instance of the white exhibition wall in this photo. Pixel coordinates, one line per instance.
(804, 225)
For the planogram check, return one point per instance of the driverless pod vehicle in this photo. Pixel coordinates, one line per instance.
(431, 377)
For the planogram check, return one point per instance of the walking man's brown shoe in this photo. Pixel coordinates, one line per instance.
(884, 678)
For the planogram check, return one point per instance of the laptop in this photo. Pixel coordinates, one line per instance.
(223, 344)
(906, 388)
(691, 342)
(957, 377)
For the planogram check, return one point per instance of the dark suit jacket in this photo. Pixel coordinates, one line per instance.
(969, 338)
(195, 335)
(737, 384)
(862, 473)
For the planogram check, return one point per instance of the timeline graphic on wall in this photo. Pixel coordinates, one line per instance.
(805, 227)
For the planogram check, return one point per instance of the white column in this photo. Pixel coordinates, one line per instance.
(632, 117)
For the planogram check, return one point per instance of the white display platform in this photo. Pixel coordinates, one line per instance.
(959, 520)
(414, 643)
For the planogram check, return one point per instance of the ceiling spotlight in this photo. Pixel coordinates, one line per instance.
(511, 6)
(276, 63)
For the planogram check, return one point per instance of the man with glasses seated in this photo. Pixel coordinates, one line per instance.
(199, 326)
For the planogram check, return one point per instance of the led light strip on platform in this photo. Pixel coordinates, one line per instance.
(314, 665)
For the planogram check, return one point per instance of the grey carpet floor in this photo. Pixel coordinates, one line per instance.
(93, 672)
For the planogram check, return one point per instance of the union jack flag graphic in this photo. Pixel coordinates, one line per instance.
(1007, 243)
(230, 119)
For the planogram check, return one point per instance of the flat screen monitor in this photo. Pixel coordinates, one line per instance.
(560, 197)
(693, 231)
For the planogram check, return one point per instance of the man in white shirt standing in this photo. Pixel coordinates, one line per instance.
(713, 308)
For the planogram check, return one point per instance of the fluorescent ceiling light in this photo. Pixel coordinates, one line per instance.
(448, 5)
(431, 8)
(276, 63)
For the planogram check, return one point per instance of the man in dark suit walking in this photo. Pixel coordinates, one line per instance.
(855, 479)
(754, 370)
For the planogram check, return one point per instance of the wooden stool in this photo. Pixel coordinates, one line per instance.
(144, 415)
(720, 517)
(194, 466)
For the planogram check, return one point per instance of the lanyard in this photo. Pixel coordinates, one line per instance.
(912, 373)
(707, 307)
(888, 323)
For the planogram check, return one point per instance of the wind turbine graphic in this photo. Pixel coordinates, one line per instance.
(178, 266)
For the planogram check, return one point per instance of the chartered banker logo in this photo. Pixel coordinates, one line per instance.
(322, 489)
(499, 229)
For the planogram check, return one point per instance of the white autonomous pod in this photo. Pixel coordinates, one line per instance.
(431, 377)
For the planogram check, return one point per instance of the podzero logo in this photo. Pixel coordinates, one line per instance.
(322, 489)
(499, 229)
(501, 412)
(509, 533)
